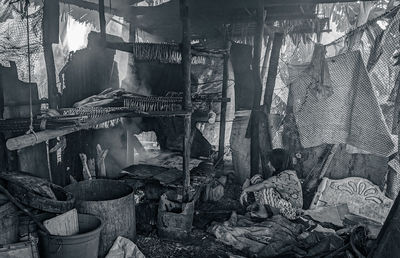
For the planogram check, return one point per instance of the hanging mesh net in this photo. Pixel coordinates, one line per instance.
(14, 43)
(377, 41)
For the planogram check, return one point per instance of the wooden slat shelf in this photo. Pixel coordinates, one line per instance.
(128, 47)
(27, 140)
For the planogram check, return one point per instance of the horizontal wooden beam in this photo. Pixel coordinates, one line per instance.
(233, 4)
(26, 140)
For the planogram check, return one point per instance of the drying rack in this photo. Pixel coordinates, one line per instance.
(72, 120)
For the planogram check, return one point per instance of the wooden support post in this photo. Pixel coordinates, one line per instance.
(222, 123)
(187, 94)
(50, 7)
(258, 38)
(272, 71)
(102, 19)
(130, 150)
(266, 57)
(51, 11)
(265, 136)
(3, 150)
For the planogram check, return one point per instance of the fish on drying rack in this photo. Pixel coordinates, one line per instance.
(152, 103)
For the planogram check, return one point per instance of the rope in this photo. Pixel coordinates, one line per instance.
(29, 72)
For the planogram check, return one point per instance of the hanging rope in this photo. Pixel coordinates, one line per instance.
(29, 71)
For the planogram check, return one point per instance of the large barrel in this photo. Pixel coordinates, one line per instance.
(84, 244)
(113, 202)
(240, 146)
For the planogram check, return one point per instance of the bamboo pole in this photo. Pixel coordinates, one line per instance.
(258, 38)
(27, 140)
(222, 123)
(187, 95)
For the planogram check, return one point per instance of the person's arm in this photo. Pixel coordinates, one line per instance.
(257, 187)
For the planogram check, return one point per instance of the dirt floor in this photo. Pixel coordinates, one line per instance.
(200, 244)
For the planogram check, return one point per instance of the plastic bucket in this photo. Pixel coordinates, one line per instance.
(84, 244)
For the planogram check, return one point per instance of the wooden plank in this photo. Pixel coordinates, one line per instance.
(65, 224)
(187, 95)
(222, 123)
(313, 178)
(258, 39)
(264, 127)
(138, 145)
(26, 140)
(272, 70)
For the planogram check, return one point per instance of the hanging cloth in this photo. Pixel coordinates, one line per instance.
(320, 80)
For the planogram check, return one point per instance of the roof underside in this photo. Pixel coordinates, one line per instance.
(208, 17)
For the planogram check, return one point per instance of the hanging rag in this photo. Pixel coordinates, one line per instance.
(350, 115)
(320, 85)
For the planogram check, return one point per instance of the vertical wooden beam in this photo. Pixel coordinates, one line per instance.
(264, 127)
(266, 57)
(222, 123)
(51, 10)
(3, 149)
(258, 38)
(187, 94)
(50, 7)
(130, 150)
(102, 19)
(272, 71)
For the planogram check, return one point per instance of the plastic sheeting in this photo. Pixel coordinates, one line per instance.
(124, 248)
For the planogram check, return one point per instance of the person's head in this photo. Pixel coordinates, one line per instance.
(279, 160)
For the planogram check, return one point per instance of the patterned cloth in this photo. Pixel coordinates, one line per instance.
(272, 198)
(286, 195)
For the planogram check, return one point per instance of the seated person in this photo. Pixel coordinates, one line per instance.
(279, 194)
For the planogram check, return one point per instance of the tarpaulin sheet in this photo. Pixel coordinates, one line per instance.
(350, 115)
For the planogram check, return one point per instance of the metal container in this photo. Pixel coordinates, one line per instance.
(113, 202)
